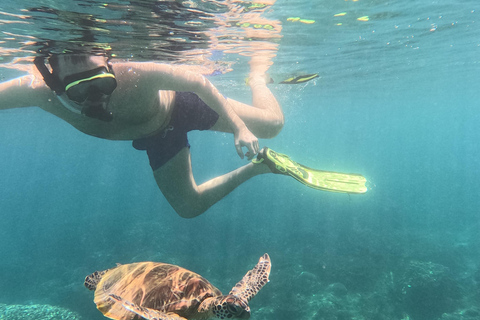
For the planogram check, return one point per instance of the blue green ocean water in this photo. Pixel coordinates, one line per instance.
(397, 100)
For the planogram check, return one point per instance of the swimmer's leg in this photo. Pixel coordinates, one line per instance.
(175, 180)
(265, 118)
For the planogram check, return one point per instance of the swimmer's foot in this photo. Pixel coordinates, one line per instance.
(300, 79)
(256, 79)
(264, 158)
(318, 179)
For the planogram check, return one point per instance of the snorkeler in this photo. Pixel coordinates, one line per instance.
(155, 105)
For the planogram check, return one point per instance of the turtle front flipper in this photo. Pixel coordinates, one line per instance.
(146, 313)
(254, 280)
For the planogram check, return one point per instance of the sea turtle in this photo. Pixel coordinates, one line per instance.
(160, 291)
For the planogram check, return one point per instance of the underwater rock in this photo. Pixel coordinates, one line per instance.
(476, 277)
(338, 289)
(330, 307)
(468, 314)
(37, 312)
(427, 290)
(306, 283)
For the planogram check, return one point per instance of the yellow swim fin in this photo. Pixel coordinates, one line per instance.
(300, 79)
(317, 179)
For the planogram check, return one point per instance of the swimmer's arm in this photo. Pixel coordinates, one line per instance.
(25, 91)
(179, 79)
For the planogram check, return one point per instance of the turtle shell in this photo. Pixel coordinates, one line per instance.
(159, 286)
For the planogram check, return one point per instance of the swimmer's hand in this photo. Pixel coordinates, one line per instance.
(244, 138)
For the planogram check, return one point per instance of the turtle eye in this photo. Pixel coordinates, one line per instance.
(233, 309)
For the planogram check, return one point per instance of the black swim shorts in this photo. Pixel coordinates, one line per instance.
(189, 113)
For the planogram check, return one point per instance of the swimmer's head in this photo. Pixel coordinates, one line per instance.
(83, 83)
(64, 65)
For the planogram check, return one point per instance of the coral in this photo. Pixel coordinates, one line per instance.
(37, 312)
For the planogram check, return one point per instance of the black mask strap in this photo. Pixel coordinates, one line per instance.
(53, 82)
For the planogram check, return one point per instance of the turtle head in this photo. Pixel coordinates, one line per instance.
(235, 304)
(93, 279)
(229, 307)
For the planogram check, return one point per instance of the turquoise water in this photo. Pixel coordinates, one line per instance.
(396, 100)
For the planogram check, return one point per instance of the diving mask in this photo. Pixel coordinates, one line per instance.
(89, 85)
(94, 109)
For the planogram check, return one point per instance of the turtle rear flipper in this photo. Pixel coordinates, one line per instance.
(254, 280)
(146, 313)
